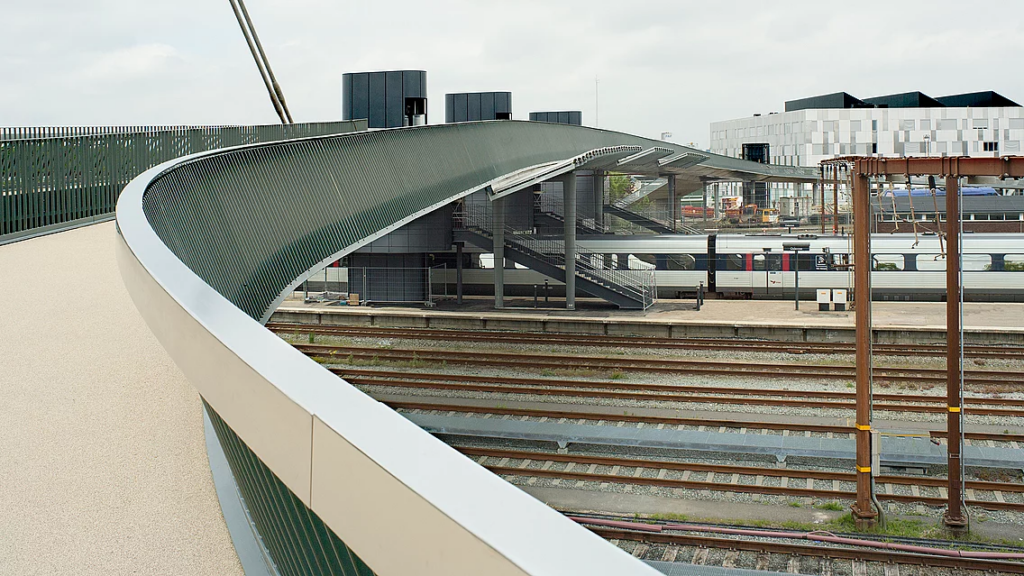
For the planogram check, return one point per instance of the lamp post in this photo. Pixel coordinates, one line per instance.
(796, 248)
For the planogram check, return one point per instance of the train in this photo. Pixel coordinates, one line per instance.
(905, 267)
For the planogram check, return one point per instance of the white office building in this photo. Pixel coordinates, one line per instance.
(911, 124)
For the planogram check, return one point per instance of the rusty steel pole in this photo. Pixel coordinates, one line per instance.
(863, 511)
(835, 199)
(822, 219)
(954, 516)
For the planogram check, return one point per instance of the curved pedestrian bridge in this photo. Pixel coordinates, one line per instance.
(335, 482)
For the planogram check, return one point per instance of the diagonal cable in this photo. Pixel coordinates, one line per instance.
(259, 64)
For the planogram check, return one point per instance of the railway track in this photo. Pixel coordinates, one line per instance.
(793, 482)
(584, 416)
(920, 376)
(675, 536)
(674, 393)
(778, 347)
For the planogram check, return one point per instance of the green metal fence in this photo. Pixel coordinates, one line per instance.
(59, 177)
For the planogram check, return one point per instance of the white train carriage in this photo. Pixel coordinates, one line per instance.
(679, 261)
(904, 267)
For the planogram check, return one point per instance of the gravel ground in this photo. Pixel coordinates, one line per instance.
(103, 468)
(625, 472)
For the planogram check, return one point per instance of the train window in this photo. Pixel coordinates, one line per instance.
(930, 262)
(887, 262)
(1013, 263)
(642, 262)
(681, 262)
(734, 262)
(808, 262)
(759, 262)
(975, 262)
(773, 262)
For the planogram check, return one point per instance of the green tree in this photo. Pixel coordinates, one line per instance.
(619, 186)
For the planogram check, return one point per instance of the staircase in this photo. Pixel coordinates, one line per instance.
(627, 289)
(550, 215)
(644, 190)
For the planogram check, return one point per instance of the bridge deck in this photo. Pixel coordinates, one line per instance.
(104, 467)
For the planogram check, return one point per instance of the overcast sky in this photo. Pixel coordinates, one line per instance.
(662, 65)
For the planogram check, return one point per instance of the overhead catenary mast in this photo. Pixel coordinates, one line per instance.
(262, 63)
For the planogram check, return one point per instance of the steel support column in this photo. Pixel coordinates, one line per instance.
(672, 204)
(821, 218)
(458, 273)
(863, 511)
(498, 215)
(569, 203)
(704, 204)
(835, 200)
(599, 199)
(717, 187)
(954, 516)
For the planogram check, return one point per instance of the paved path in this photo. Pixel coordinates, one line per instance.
(103, 466)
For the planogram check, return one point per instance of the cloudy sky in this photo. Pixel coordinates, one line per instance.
(660, 65)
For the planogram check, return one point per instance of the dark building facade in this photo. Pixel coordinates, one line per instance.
(390, 99)
(474, 106)
(904, 100)
(983, 99)
(574, 117)
(756, 192)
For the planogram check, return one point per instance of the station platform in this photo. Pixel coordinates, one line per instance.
(893, 322)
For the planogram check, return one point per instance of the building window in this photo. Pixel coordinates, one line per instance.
(991, 147)
(874, 147)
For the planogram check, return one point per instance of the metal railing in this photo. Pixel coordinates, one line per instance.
(645, 188)
(638, 284)
(555, 206)
(56, 177)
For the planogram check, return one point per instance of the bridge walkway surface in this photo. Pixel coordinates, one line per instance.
(103, 467)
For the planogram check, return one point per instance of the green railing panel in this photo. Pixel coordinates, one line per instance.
(51, 176)
(298, 540)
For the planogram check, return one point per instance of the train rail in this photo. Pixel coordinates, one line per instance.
(921, 376)
(789, 549)
(619, 390)
(584, 415)
(792, 487)
(733, 344)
